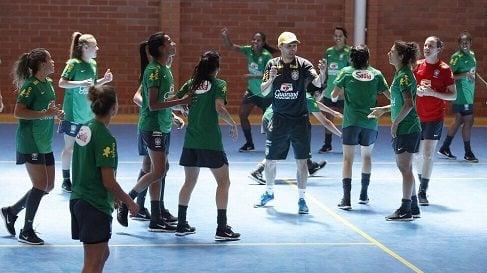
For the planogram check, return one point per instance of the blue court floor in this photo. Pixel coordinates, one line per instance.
(451, 235)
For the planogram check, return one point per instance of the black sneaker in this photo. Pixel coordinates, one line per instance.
(445, 151)
(186, 229)
(470, 157)
(122, 214)
(257, 177)
(161, 226)
(399, 215)
(326, 148)
(226, 234)
(415, 212)
(247, 147)
(168, 217)
(317, 166)
(363, 199)
(422, 200)
(142, 215)
(9, 220)
(30, 237)
(66, 186)
(344, 205)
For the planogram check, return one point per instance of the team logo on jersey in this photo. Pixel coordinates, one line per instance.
(203, 87)
(426, 82)
(363, 75)
(436, 73)
(333, 65)
(253, 68)
(83, 90)
(84, 136)
(109, 151)
(295, 75)
(26, 92)
(341, 56)
(286, 87)
(34, 156)
(404, 80)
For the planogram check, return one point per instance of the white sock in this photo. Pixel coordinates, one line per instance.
(301, 193)
(270, 189)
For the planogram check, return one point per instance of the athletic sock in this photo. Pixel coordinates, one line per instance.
(248, 136)
(20, 205)
(347, 188)
(66, 174)
(447, 142)
(466, 145)
(31, 206)
(405, 205)
(328, 139)
(221, 219)
(423, 186)
(182, 214)
(155, 211)
(365, 184)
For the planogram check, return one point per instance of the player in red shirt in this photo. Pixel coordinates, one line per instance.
(436, 85)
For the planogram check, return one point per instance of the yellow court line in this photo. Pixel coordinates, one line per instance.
(359, 231)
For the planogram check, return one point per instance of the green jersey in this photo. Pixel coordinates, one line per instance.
(404, 81)
(95, 147)
(256, 64)
(336, 60)
(160, 76)
(76, 105)
(361, 87)
(462, 62)
(35, 135)
(203, 131)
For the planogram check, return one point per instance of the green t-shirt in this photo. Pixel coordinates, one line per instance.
(35, 135)
(160, 76)
(404, 81)
(76, 105)
(361, 87)
(256, 64)
(203, 131)
(461, 62)
(336, 60)
(95, 147)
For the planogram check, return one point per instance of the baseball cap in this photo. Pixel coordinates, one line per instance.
(287, 38)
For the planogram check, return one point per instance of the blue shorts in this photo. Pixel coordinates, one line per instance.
(463, 109)
(35, 158)
(406, 143)
(203, 158)
(285, 131)
(431, 130)
(355, 135)
(156, 141)
(88, 224)
(143, 148)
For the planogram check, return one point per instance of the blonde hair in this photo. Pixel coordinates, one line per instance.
(78, 40)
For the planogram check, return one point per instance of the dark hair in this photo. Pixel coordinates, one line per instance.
(78, 40)
(464, 34)
(359, 56)
(144, 59)
(266, 46)
(102, 99)
(155, 41)
(208, 64)
(439, 43)
(408, 50)
(27, 65)
(345, 33)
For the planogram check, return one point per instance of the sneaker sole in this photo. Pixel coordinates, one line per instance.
(30, 243)
(400, 220)
(184, 233)
(363, 202)
(219, 238)
(446, 157)
(139, 218)
(424, 204)
(303, 212)
(415, 216)
(160, 230)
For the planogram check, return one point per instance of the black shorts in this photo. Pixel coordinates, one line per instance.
(462, 109)
(431, 130)
(328, 102)
(355, 135)
(406, 143)
(35, 158)
(156, 141)
(203, 158)
(88, 224)
(283, 132)
(143, 148)
(260, 102)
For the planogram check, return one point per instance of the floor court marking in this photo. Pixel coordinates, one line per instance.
(359, 231)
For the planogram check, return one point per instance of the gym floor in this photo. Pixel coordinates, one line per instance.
(451, 235)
